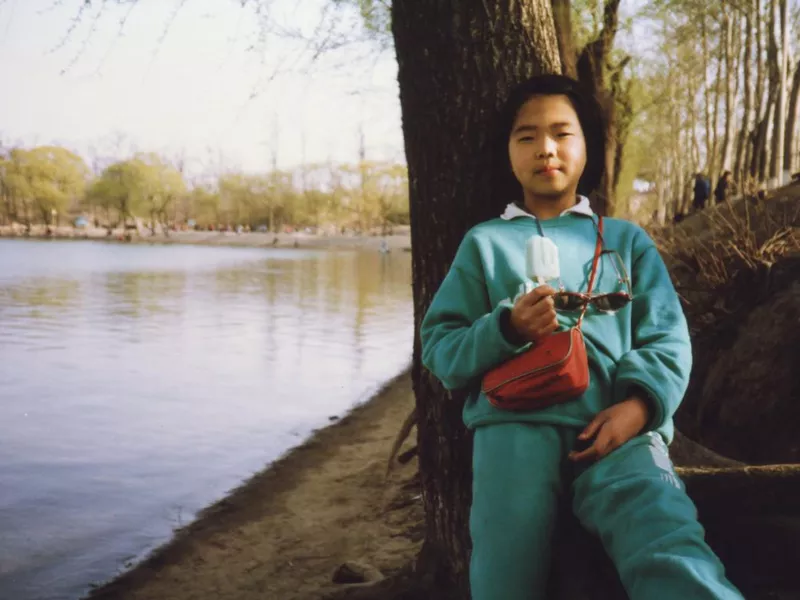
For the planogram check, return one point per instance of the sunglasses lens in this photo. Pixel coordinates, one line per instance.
(612, 302)
(567, 301)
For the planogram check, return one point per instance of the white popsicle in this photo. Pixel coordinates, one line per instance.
(541, 259)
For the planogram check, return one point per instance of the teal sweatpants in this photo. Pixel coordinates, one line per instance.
(631, 499)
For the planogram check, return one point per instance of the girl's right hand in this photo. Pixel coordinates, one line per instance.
(533, 316)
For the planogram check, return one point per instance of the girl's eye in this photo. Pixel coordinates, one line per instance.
(564, 134)
(527, 138)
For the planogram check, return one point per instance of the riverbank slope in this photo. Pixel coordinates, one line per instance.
(282, 534)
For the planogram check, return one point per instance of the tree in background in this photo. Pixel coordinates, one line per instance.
(149, 188)
(41, 183)
(121, 192)
(721, 87)
(162, 186)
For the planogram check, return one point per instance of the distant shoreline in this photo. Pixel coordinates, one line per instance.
(398, 241)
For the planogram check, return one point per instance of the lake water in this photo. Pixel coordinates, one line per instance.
(139, 384)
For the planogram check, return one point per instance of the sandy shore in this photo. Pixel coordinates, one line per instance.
(399, 241)
(282, 534)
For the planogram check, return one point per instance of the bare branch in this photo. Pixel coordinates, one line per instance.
(10, 18)
(76, 20)
(120, 32)
(86, 39)
(164, 34)
(56, 4)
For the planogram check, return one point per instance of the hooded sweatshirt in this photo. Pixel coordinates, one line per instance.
(644, 347)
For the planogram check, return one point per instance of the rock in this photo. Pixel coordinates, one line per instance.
(355, 572)
(749, 408)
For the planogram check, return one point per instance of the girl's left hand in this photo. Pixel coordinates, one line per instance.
(611, 428)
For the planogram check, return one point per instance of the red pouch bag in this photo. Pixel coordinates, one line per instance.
(551, 372)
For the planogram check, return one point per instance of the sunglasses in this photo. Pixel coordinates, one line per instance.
(607, 303)
(575, 301)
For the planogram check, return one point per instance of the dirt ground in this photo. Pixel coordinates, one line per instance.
(281, 535)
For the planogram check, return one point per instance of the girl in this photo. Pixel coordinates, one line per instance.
(608, 447)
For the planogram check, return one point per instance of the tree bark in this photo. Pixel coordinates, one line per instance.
(675, 164)
(767, 68)
(562, 17)
(624, 114)
(780, 111)
(748, 98)
(457, 59)
(792, 161)
(593, 67)
(714, 161)
(759, 164)
(730, 89)
(752, 155)
(691, 102)
(773, 58)
(706, 92)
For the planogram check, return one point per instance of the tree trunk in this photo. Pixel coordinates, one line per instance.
(624, 119)
(714, 161)
(562, 17)
(760, 159)
(767, 68)
(780, 110)
(661, 196)
(706, 92)
(673, 142)
(593, 65)
(691, 103)
(752, 157)
(790, 161)
(748, 98)
(730, 90)
(773, 58)
(457, 59)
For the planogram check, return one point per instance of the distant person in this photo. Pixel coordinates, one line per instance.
(722, 193)
(702, 191)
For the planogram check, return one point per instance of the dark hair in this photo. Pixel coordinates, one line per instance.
(590, 117)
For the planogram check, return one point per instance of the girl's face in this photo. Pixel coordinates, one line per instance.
(547, 148)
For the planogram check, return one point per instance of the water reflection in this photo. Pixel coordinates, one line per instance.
(142, 295)
(140, 379)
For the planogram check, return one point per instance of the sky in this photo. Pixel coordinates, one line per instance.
(201, 79)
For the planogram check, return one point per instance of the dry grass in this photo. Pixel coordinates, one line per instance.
(727, 268)
(726, 263)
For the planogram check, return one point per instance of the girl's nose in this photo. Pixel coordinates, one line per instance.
(546, 147)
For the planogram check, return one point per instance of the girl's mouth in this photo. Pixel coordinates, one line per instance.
(547, 171)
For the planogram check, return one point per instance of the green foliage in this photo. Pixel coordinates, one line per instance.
(119, 190)
(361, 197)
(42, 181)
(148, 189)
(161, 185)
(377, 16)
(586, 21)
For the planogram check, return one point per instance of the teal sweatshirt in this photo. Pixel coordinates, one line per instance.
(644, 345)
